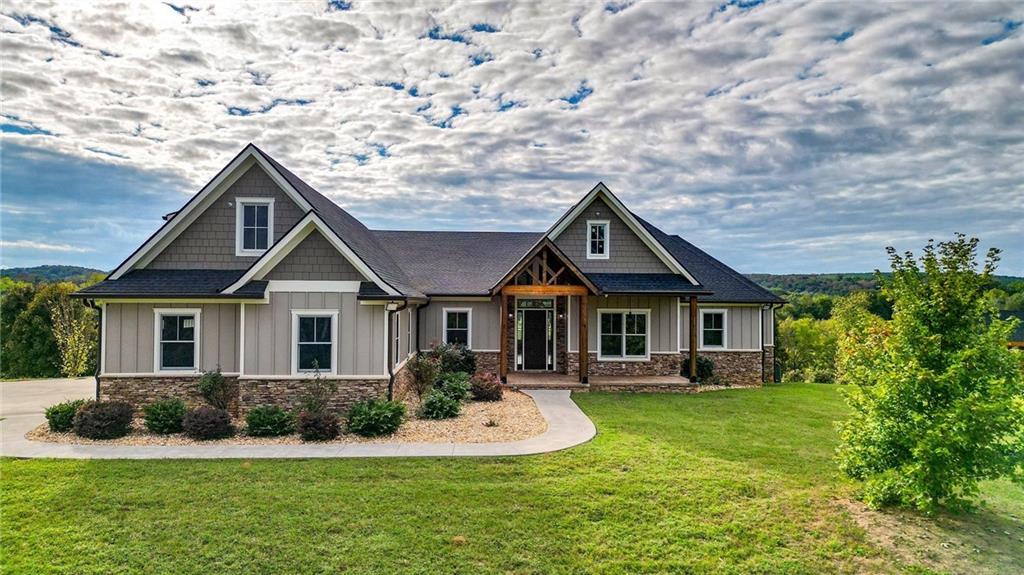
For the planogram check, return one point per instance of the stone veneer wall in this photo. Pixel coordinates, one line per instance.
(139, 391)
(769, 364)
(487, 361)
(737, 367)
(660, 364)
(403, 382)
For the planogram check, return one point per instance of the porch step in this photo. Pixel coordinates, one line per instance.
(577, 386)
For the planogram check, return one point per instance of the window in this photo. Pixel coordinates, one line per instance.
(177, 339)
(623, 334)
(456, 326)
(597, 240)
(712, 328)
(254, 228)
(314, 335)
(396, 337)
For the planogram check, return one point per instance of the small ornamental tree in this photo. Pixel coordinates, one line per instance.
(937, 396)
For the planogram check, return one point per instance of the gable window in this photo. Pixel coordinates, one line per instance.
(712, 328)
(624, 334)
(254, 226)
(456, 326)
(597, 240)
(314, 335)
(177, 339)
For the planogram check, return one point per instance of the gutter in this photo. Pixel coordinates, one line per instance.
(99, 346)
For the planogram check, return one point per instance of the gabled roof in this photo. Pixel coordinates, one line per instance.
(602, 191)
(725, 283)
(536, 249)
(174, 284)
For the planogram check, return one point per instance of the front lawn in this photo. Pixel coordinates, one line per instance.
(727, 482)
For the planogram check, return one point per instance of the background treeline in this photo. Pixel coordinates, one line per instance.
(807, 336)
(43, 332)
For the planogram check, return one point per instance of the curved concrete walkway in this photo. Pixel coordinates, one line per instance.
(23, 404)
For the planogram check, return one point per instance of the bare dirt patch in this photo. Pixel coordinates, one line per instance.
(514, 418)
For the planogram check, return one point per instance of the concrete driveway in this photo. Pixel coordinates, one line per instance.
(32, 397)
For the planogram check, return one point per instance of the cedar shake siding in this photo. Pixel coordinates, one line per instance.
(209, 242)
(627, 253)
(131, 333)
(315, 259)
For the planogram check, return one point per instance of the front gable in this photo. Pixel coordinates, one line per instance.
(209, 242)
(314, 259)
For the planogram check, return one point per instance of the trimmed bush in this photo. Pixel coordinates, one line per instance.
(425, 370)
(103, 420)
(375, 417)
(61, 417)
(486, 387)
(318, 426)
(269, 421)
(208, 423)
(437, 405)
(215, 389)
(705, 368)
(164, 416)
(454, 358)
(454, 385)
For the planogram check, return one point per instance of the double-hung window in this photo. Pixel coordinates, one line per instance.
(597, 240)
(624, 334)
(177, 339)
(315, 335)
(254, 227)
(712, 328)
(456, 326)
(396, 337)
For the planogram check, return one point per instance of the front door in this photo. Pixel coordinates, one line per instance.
(535, 339)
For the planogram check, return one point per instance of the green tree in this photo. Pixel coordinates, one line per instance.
(74, 331)
(937, 396)
(27, 342)
(807, 349)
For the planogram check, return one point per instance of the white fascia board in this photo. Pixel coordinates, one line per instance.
(626, 216)
(195, 207)
(291, 240)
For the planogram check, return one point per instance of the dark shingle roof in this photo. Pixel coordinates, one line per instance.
(174, 283)
(725, 283)
(644, 283)
(351, 231)
(456, 263)
(370, 290)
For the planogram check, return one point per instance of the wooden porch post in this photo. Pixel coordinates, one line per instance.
(503, 340)
(584, 350)
(693, 338)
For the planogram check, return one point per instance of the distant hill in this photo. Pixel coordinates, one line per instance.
(44, 274)
(830, 284)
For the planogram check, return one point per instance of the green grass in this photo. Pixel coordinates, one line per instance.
(727, 482)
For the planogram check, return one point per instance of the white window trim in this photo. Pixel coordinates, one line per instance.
(239, 219)
(158, 313)
(725, 328)
(396, 340)
(296, 314)
(647, 335)
(469, 324)
(607, 239)
(408, 334)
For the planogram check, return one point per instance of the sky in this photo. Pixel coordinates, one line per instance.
(780, 137)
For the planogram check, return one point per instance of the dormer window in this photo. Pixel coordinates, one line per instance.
(597, 240)
(254, 225)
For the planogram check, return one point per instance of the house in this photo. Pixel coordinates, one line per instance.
(265, 278)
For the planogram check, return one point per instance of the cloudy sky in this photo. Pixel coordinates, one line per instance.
(781, 137)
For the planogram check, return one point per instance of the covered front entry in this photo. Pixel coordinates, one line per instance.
(530, 295)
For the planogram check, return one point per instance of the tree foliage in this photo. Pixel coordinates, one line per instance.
(937, 396)
(807, 349)
(74, 331)
(28, 346)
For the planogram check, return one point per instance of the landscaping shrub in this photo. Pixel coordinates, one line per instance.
(486, 387)
(425, 370)
(375, 417)
(318, 426)
(454, 385)
(215, 389)
(705, 368)
(454, 358)
(103, 419)
(269, 421)
(61, 417)
(437, 405)
(317, 393)
(164, 416)
(208, 423)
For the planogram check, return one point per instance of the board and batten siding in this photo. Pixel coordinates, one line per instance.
(663, 320)
(131, 336)
(360, 349)
(627, 253)
(485, 323)
(742, 326)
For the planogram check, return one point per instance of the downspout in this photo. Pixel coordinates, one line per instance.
(387, 350)
(99, 347)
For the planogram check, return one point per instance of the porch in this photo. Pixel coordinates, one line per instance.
(532, 380)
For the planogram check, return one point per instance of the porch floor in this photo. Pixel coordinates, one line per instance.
(541, 380)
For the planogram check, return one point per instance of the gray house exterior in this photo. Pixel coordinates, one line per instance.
(263, 277)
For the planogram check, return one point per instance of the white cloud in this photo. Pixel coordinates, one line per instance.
(737, 128)
(33, 245)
